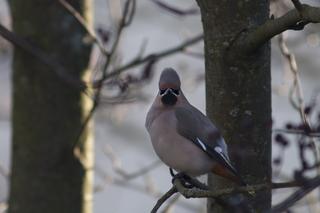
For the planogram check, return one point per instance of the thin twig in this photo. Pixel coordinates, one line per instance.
(107, 179)
(99, 85)
(116, 165)
(59, 70)
(170, 204)
(297, 132)
(85, 123)
(297, 87)
(158, 55)
(164, 198)
(83, 23)
(297, 195)
(129, 12)
(125, 20)
(175, 10)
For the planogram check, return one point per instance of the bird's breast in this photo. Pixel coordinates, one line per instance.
(175, 150)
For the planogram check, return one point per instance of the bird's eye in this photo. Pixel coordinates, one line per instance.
(162, 91)
(176, 91)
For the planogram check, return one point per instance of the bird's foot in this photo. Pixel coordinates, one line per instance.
(183, 178)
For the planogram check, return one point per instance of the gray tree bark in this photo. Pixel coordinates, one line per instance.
(238, 91)
(47, 113)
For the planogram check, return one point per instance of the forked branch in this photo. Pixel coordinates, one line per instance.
(295, 19)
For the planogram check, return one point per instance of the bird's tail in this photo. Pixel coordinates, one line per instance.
(222, 171)
(231, 175)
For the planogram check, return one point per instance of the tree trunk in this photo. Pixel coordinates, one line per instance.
(47, 113)
(238, 92)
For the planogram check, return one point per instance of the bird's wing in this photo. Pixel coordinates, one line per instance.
(196, 127)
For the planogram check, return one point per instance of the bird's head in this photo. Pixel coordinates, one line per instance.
(169, 87)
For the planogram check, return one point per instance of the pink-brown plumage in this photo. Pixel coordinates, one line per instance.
(183, 137)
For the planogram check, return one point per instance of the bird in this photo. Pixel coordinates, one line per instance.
(183, 137)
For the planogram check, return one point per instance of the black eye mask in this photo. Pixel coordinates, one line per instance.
(162, 91)
(174, 91)
(169, 96)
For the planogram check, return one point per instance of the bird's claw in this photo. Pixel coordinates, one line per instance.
(183, 178)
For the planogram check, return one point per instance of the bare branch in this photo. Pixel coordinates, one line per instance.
(297, 89)
(81, 20)
(61, 71)
(129, 12)
(124, 22)
(164, 198)
(203, 193)
(297, 132)
(198, 193)
(116, 164)
(170, 204)
(291, 20)
(138, 61)
(300, 193)
(107, 179)
(175, 10)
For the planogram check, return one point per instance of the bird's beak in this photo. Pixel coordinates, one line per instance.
(169, 97)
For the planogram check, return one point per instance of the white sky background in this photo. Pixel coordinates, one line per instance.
(122, 127)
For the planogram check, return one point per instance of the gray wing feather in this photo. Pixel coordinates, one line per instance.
(196, 127)
(192, 124)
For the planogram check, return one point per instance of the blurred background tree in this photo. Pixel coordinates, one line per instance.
(48, 113)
